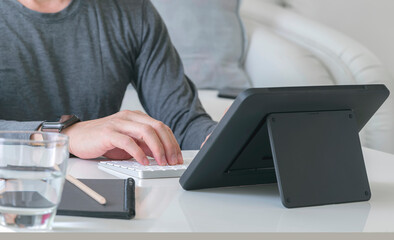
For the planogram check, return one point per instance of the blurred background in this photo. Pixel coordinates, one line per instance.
(367, 21)
(281, 43)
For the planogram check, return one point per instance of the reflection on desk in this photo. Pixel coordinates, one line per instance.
(266, 214)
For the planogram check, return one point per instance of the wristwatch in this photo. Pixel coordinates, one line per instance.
(64, 122)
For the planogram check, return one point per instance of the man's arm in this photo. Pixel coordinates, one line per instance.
(166, 94)
(164, 90)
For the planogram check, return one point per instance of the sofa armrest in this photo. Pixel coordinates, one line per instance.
(345, 60)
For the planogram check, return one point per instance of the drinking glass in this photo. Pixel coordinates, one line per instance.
(32, 173)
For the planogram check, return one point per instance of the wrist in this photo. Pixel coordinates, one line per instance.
(68, 131)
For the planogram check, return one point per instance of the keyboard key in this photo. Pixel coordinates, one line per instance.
(153, 170)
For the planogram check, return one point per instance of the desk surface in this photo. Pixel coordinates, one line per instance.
(163, 206)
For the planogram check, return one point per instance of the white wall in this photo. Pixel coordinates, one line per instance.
(370, 22)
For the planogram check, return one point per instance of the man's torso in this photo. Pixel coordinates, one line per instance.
(78, 61)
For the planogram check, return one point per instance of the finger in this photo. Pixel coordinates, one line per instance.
(124, 142)
(206, 139)
(172, 150)
(171, 146)
(143, 133)
(144, 148)
(178, 148)
(117, 154)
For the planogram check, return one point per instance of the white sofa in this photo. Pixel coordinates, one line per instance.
(287, 49)
(367, 21)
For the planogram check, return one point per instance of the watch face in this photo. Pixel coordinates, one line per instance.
(65, 121)
(51, 127)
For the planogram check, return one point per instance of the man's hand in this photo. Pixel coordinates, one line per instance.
(124, 135)
(206, 139)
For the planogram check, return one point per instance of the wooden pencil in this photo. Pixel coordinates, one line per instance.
(90, 192)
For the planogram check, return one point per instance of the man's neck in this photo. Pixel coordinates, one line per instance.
(46, 6)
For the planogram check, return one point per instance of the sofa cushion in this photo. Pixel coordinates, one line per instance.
(210, 39)
(274, 61)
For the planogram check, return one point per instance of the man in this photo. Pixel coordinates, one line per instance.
(61, 57)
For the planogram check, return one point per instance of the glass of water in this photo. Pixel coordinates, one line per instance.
(32, 173)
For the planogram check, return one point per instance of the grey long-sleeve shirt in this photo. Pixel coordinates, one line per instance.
(80, 61)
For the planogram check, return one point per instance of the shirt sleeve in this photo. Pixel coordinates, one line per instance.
(19, 126)
(164, 90)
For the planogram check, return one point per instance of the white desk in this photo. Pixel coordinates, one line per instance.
(163, 206)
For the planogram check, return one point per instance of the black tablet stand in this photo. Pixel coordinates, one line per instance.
(317, 158)
(305, 139)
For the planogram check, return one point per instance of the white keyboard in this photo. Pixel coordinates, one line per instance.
(153, 170)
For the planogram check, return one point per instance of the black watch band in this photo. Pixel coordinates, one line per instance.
(64, 122)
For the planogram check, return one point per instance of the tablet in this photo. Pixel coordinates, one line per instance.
(239, 151)
(231, 93)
